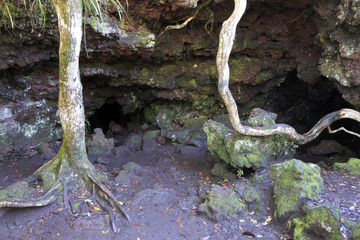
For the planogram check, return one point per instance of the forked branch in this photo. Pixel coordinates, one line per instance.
(226, 41)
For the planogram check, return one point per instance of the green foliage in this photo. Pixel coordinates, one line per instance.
(38, 10)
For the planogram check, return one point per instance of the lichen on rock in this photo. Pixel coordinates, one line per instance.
(295, 183)
(320, 220)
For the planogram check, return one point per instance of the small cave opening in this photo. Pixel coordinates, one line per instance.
(110, 111)
(302, 105)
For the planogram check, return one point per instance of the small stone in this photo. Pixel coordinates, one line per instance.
(115, 128)
(104, 161)
(162, 140)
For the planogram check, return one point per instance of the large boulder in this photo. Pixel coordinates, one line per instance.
(295, 183)
(241, 151)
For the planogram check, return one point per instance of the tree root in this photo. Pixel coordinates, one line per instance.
(69, 181)
(226, 40)
(182, 25)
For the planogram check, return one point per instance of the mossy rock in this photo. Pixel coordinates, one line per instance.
(99, 144)
(241, 151)
(222, 170)
(351, 167)
(356, 233)
(251, 196)
(222, 203)
(318, 221)
(295, 183)
(151, 134)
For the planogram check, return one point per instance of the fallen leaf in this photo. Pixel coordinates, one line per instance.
(96, 209)
(240, 228)
(105, 232)
(205, 223)
(259, 236)
(242, 220)
(76, 206)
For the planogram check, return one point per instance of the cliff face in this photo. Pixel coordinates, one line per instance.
(141, 67)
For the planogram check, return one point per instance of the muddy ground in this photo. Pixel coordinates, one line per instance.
(161, 198)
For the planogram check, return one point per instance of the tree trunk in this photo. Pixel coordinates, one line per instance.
(71, 108)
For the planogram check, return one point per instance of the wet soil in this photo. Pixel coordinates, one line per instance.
(161, 198)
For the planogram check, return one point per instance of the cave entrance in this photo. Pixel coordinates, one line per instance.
(110, 111)
(301, 105)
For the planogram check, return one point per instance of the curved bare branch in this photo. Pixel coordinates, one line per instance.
(226, 40)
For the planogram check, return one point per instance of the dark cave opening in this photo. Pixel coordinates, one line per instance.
(301, 105)
(110, 111)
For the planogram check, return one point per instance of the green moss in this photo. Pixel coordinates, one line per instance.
(222, 203)
(356, 233)
(149, 115)
(193, 84)
(320, 220)
(244, 151)
(212, 70)
(240, 67)
(352, 166)
(294, 181)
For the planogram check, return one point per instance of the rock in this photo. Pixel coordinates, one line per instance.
(221, 169)
(46, 150)
(152, 134)
(103, 160)
(250, 195)
(352, 166)
(261, 118)
(162, 140)
(326, 147)
(320, 220)
(130, 171)
(98, 144)
(122, 151)
(222, 203)
(244, 151)
(134, 141)
(155, 196)
(295, 183)
(115, 128)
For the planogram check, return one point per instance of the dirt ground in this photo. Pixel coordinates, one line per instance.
(161, 199)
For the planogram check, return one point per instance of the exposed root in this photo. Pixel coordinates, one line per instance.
(182, 25)
(109, 195)
(69, 181)
(226, 41)
(46, 199)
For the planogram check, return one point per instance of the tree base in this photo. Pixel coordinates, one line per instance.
(81, 188)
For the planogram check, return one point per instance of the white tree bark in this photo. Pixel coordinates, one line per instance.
(71, 108)
(226, 41)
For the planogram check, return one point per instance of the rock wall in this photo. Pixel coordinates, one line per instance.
(143, 68)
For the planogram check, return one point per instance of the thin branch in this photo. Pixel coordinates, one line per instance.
(343, 129)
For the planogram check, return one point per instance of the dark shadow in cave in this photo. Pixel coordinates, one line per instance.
(109, 111)
(301, 105)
